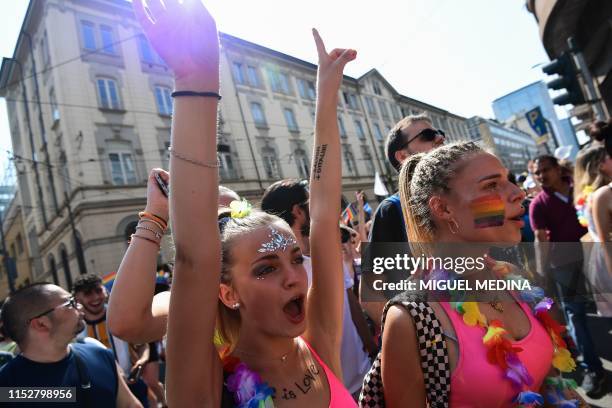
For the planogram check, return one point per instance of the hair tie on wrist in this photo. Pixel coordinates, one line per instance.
(194, 93)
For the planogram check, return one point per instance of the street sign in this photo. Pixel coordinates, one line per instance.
(542, 139)
(537, 121)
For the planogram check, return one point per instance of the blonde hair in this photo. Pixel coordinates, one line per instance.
(228, 320)
(422, 176)
(587, 172)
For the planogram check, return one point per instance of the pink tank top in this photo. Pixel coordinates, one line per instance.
(476, 383)
(339, 396)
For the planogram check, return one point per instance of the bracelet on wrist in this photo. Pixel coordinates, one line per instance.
(194, 93)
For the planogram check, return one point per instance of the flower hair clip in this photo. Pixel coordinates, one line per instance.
(240, 208)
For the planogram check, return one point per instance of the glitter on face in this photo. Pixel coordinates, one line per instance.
(277, 241)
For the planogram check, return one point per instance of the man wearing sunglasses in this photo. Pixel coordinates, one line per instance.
(43, 319)
(411, 135)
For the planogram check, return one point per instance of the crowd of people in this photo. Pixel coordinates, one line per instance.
(265, 306)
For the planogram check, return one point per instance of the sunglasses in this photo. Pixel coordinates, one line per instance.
(69, 303)
(426, 135)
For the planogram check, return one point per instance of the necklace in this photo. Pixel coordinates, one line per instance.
(497, 305)
(282, 358)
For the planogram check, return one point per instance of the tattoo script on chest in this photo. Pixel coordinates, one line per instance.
(302, 387)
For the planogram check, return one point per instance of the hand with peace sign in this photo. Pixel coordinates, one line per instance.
(185, 36)
(331, 66)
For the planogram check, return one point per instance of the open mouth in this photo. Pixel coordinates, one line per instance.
(294, 309)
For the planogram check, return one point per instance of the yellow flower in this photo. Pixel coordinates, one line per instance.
(472, 315)
(563, 361)
(240, 209)
(588, 189)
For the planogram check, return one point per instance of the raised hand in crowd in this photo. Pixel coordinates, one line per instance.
(134, 313)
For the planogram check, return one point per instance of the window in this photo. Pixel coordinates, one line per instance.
(44, 45)
(164, 100)
(307, 89)
(290, 119)
(302, 163)
(350, 100)
(89, 36)
(55, 116)
(258, 114)
(270, 163)
(377, 133)
(383, 109)
(107, 92)
(122, 168)
(341, 127)
(376, 88)
(284, 82)
(252, 74)
(226, 164)
(237, 70)
(349, 161)
(279, 81)
(107, 39)
(370, 105)
(359, 127)
(367, 158)
(146, 53)
(19, 244)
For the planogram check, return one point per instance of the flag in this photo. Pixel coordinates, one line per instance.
(379, 186)
(349, 214)
(109, 279)
(367, 208)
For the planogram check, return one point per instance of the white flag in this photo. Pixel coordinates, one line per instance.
(379, 186)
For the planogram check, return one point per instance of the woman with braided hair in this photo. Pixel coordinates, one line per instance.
(481, 353)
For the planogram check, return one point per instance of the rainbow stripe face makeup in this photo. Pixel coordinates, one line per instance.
(488, 211)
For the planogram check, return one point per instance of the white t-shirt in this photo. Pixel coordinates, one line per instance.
(355, 361)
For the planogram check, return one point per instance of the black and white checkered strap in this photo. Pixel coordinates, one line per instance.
(434, 358)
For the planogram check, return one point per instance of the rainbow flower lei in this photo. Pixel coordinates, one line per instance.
(581, 205)
(249, 390)
(501, 352)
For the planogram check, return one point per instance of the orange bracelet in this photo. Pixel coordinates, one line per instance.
(144, 214)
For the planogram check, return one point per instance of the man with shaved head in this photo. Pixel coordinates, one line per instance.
(43, 319)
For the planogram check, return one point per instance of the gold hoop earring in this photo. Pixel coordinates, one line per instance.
(452, 223)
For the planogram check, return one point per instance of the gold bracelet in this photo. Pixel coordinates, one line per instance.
(145, 238)
(157, 234)
(194, 161)
(161, 227)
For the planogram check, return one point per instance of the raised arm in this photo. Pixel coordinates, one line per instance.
(131, 315)
(325, 298)
(185, 36)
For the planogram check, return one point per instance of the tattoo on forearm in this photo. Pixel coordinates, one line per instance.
(318, 162)
(304, 386)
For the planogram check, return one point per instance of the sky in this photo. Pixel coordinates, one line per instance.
(457, 55)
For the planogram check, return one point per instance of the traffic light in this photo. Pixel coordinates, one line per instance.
(565, 67)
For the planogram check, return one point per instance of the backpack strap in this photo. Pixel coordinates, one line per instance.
(432, 349)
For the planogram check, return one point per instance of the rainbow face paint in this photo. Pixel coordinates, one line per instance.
(488, 211)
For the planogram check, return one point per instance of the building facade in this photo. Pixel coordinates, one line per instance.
(529, 97)
(90, 111)
(513, 146)
(18, 260)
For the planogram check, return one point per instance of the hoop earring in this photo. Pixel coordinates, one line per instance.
(453, 226)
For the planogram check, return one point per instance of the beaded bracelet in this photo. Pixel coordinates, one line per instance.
(156, 223)
(145, 238)
(157, 234)
(151, 216)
